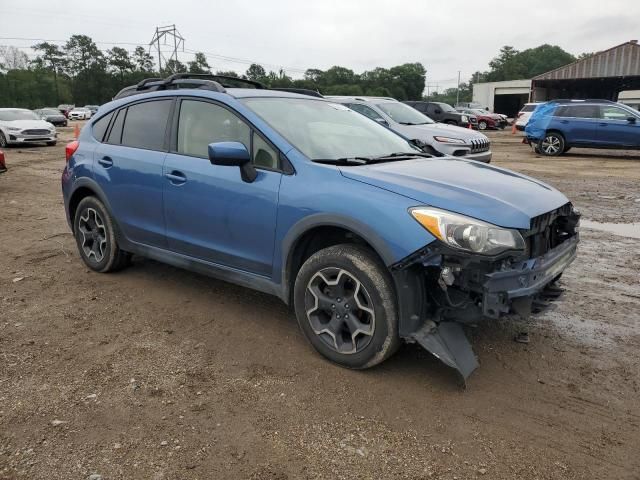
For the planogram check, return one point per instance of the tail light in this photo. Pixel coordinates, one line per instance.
(70, 149)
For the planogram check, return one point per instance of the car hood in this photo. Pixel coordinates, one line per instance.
(442, 129)
(481, 191)
(30, 124)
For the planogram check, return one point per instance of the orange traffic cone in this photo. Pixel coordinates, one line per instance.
(513, 128)
(470, 126)
(76, 131)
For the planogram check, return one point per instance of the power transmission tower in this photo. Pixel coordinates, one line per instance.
(166, 35)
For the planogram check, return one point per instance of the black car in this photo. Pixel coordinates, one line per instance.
(53, 116)
(444, 113)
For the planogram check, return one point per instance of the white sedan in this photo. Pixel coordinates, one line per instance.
(18, 125)
(80, 114)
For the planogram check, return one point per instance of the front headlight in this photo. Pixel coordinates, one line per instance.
(448, 140)
(466, 233)
(14, 129)
(465, 118)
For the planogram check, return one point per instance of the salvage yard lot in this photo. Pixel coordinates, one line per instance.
(159, 373)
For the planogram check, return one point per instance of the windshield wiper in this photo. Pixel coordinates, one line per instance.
(412, 123)
(344, 160)
(365, 160)
(397, 155)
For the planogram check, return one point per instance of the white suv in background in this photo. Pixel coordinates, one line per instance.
(524, 114)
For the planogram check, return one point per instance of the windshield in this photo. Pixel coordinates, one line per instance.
(478, 111)
(404, 114)
(327, 131)
(11, 115)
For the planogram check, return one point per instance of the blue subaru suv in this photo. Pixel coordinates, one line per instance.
(558, 125)
(371, 240)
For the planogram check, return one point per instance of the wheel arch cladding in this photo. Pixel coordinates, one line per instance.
(314, 234)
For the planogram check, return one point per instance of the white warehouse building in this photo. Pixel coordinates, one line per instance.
(502, 97)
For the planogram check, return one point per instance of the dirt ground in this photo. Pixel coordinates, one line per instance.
(158, 373)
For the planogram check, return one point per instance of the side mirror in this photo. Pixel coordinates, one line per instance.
(233, 154)
(631, 119)
(382, 121)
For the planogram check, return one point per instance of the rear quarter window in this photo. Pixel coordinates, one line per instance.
(100, 127)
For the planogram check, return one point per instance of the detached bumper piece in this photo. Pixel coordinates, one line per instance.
(448, 343)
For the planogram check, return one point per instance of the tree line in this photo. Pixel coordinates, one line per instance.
(80, 73)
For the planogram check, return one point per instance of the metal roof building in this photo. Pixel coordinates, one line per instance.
(602, 75)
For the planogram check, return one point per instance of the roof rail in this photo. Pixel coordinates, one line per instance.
(301, 91)
(221, 79)
(581, 100)
(177, 80)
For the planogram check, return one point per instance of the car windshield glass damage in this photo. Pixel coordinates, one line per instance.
(404, 114)
(326, 131)
(11, 115)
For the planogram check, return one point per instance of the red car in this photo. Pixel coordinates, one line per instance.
(3, 166)
(486, 119)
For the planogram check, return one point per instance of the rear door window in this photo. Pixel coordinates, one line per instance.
(145, 125)
(579, 111)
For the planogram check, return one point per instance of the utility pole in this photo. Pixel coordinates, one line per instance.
(162, 33)
(458, 90)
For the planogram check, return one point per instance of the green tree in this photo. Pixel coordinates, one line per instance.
(174, 66)
(256, 72)
(199, 64)
(118, 58)
(51, 58)
(143, 60)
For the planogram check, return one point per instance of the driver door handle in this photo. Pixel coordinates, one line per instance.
(176, 177)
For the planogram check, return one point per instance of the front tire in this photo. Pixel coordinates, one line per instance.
(552, 144)
(52, 144)
(482, 125)
(451, 122)
(345, 305)
(3, 141)
(95, 236)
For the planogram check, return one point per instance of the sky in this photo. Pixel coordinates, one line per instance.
(445, 36)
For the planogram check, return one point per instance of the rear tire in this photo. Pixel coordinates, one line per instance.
(3, 141)
(94, 231)
(552, 144)
(345, 304)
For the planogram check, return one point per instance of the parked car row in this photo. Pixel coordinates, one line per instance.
(78, 113)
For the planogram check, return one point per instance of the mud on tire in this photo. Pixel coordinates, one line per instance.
(345, 304)
(94, 231)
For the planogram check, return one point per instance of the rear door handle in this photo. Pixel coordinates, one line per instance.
(176, 177)
(106, 162)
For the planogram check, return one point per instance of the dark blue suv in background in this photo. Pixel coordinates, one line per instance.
(371, 240)
(556, 126)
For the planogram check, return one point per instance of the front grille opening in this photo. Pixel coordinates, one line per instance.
(549, 230)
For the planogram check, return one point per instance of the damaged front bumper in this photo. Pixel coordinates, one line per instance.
(439, 290)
